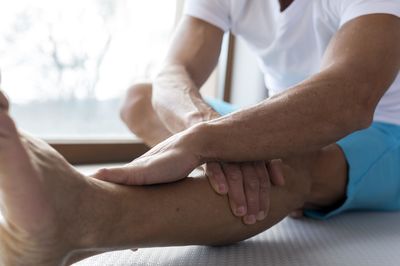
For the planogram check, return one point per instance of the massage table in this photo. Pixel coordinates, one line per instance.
(363, 238)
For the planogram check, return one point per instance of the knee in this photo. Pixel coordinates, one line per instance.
(137, 101)
(330, 176)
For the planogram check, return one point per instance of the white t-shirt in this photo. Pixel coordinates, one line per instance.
(290, 45)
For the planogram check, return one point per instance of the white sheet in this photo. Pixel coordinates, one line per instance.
(353, 239)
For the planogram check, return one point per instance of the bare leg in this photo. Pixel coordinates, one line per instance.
(138, 114)
(52, 213)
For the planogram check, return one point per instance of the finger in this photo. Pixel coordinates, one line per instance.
(265, 186)
(217, 178)
(149, 170)
(276, 172)
(252, 189)
(237, 199)
(129, 174)
(118, 175)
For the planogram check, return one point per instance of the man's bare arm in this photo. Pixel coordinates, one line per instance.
(359, 66)
(195, 46)
(192, 56)
(176, 100)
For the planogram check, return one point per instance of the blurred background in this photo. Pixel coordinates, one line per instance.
(67, 64)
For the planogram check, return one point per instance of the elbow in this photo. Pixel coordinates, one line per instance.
(365, 120)
(358, 107)
(349, 119)
(365, 112)
(361, 117)
(365, 94)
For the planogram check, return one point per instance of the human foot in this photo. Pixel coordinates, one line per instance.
(29, 219)
(40, 195)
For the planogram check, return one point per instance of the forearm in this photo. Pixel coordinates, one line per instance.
(359, 65)
(177, 100)
(308, 117)
(192, 56)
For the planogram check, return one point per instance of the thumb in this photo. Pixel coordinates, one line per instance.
(125, 175)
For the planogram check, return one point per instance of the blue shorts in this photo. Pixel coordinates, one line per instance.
(373, 157)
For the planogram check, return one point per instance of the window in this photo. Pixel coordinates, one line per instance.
(66, 64)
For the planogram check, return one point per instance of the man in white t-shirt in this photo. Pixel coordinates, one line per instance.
(332, 69)
(333, 121)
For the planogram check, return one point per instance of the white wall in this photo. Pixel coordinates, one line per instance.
(247, 80)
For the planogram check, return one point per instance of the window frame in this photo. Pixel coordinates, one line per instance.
(87, 151)
(110, 151)
(99, 151)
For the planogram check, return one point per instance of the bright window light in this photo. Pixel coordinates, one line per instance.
(67, 64)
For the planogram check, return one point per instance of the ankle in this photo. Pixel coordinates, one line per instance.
(101, 217)
(89, 234)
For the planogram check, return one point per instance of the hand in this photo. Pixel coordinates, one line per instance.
(177, 100)
(159, 165)
(247, 186)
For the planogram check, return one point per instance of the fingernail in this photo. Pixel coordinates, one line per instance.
(250, 219)
(222, 188)
(261, 216)
(240, 211)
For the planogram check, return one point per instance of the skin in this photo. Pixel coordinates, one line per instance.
(333, 103)
(336, 101)
(173, 103)
(54, 215)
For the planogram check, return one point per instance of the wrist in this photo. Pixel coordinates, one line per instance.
(177, 100)
(200, 140)
(189, 109)
(204, 114)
